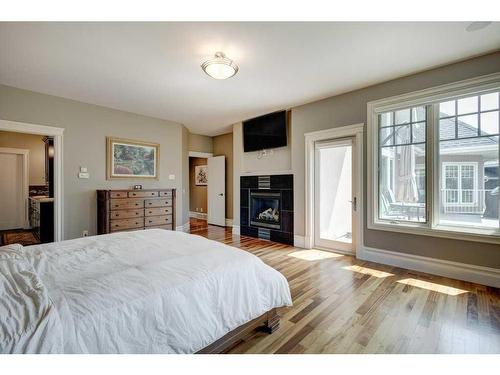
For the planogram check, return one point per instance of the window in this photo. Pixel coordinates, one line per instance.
(434, 161)
(401, 157)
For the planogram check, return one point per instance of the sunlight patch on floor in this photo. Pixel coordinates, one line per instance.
(314, 254)
(368, 271)
(433, 287)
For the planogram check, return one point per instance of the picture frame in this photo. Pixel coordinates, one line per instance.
(200, 175)
(130, 159)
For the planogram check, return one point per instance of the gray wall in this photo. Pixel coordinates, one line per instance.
(86, 127)
(350, 108)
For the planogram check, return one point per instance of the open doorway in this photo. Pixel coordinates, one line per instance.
(26, 188)
(198, 196)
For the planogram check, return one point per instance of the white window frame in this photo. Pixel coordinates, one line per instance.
(428, 97)
(475, 189)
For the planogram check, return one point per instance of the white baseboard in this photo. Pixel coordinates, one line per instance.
(299, 241)
(198, 215)
(455, 270)
(183, 228)
(229, 222)
(236, 229)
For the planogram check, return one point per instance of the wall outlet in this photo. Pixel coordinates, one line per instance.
(85, 233)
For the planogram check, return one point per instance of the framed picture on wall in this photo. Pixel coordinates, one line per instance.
(200, 175)
(131, 159)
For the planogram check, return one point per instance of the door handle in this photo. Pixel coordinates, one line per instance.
(354, 204)
(221, 194)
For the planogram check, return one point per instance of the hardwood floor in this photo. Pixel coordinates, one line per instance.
(342, 305)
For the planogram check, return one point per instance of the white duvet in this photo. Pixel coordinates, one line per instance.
(152, 291)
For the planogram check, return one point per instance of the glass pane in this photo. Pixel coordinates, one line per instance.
(335, 195)
(418, 132)
(385, 119)
(402, 134)
(447, 109)
(402, 116)
(418, 114)
(447, 128)
(467, 126)
(468, 105)
(489, 123)
(469, 182)
(401, 192)
(386, 136)
(489, 101)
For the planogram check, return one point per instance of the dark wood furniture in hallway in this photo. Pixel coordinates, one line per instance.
(343, 305)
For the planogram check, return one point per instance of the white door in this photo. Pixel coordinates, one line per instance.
(334, 201)
(12, 199)
(216, 189)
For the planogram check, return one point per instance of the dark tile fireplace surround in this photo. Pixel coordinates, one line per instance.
(266, 207)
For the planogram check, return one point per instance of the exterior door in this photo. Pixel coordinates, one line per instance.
(216, 190)
(334, 199)
(12, 199)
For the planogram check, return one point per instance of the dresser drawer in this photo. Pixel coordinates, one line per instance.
(165, 193)
(142, 194)
(126, 214)
(118, 194)
(116, 225)
(158, 202)
(119, 204)
(168, 227)
(158, 211)
(158, 220)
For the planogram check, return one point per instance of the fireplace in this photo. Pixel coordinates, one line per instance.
(265, 209)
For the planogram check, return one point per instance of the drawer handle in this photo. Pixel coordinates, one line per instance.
(133, 194)
(137, 204)
(150, 221)
(117, 215)
(150, 212)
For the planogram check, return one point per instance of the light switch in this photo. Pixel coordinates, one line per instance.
(83, 175)
(83, 169)
(171, 176)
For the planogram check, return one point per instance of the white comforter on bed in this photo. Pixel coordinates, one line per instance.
(152, 291)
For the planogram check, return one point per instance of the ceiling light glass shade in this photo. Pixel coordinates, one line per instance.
(220, 67)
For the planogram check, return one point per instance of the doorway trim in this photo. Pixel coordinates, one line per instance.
(25, 155)
(355, 131)
(57, 133)
(198, 154)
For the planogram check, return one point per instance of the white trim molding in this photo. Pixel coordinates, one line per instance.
(198, 215)
(429, 97)
(229, 222)
(183, 228)
(236, 230)
(26, 157)
(198, 154)
(299, 241)
(57, 133)
(355, 131)
(455, 270)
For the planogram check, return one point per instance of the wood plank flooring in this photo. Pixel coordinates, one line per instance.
(342, 305)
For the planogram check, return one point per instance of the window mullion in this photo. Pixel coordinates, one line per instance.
(434, 183)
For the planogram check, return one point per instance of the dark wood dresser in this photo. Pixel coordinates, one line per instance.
(120, 210)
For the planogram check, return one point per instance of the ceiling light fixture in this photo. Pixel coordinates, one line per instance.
(220, 67)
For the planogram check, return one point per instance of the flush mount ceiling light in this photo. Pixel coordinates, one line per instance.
(220, 67)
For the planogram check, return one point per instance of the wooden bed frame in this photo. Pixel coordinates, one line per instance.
(269, 321)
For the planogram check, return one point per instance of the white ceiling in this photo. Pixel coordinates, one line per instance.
(154, 68)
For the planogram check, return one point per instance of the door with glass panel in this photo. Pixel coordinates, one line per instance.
(334, 200)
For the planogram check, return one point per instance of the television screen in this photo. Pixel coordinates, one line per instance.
(264, 132)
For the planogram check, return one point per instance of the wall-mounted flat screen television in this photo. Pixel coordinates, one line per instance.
(264, 132)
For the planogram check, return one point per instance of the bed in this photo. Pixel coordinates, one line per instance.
(150, 291)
